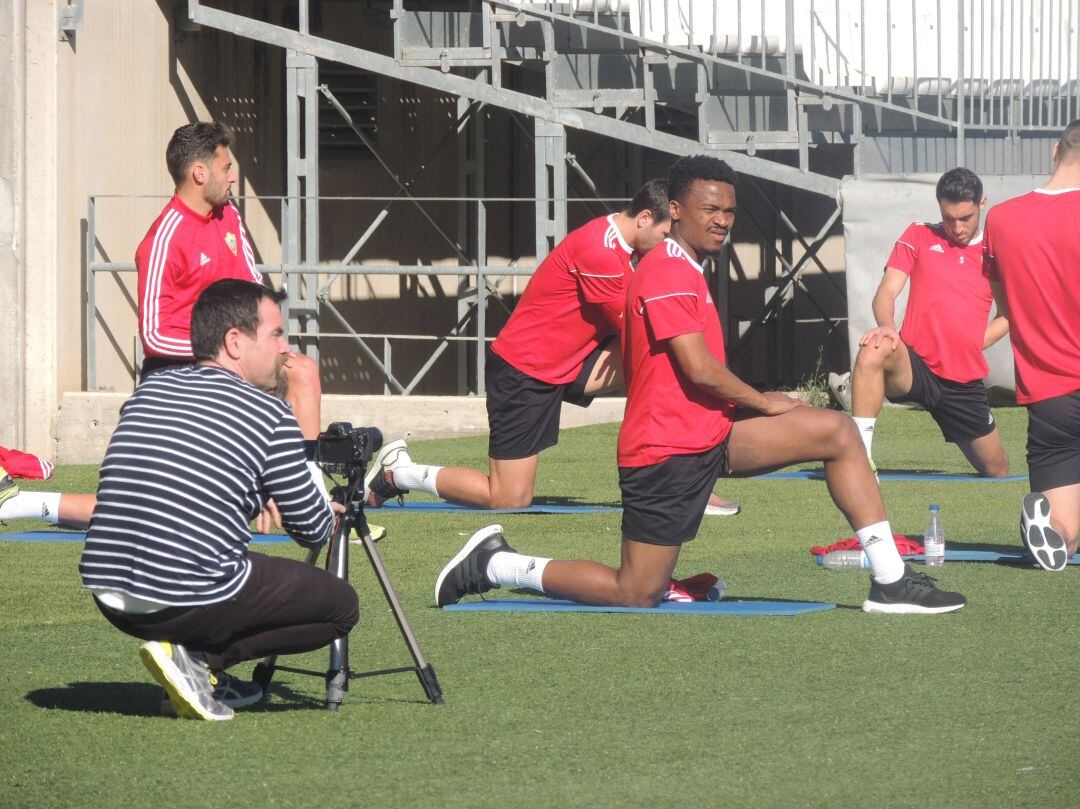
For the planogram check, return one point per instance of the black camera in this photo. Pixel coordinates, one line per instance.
(347, 450)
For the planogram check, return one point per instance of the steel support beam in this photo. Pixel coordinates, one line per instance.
(502, 97)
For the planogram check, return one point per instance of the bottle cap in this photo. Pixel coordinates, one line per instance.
(935, 508)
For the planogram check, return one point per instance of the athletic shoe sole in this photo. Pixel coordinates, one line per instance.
(470, 546)
(1045, 544)
(8, 487)
(729, 509)
(166, 672)
(907, 609)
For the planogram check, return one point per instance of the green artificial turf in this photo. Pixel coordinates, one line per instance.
(834, 709)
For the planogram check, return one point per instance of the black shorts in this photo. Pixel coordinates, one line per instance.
(663, 504)
(523, 412)
(152, 365)
(961, 409)
(1053, 442)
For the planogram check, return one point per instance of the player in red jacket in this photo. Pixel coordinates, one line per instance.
(197, 239)
(688, 420)
(1033, 251)
(936, 358)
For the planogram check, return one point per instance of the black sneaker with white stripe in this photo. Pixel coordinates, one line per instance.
(913, 593)
(1046, 546)
(466, 573)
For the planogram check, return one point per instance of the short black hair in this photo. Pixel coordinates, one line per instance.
(685, 170)
(195, 143)
(223, 306)
(651, 197)
(1068, 145)
(960, 185)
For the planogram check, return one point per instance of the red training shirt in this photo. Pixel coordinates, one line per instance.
(1033, 250)
(949, 301)
(666, 414)
(574, 299)
(180, 256)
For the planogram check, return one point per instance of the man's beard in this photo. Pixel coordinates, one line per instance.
(281, 384)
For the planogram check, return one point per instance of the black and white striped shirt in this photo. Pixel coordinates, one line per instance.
(197, 453)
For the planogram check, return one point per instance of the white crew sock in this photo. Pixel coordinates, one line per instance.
(417, 477)
(517, 569)
(317, 476)
(32, 505)
(866, 432)
(885, 561)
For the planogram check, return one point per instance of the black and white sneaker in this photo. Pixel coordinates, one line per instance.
(913, 593)
(466, 573)
(379, 483)
(1046, 546)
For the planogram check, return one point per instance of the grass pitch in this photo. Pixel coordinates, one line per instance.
(835, 709)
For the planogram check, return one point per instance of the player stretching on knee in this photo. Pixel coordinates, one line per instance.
(1033, 253)
(688, 420)
(936, 359)
(560, 344)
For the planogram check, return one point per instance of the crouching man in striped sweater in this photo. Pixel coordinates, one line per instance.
(197, 453)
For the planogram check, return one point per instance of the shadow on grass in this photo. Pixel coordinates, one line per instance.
(144, 699)
(127, 699)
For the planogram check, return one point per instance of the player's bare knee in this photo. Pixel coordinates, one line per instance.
(871, 360)
(521, 499)
(843, 434)
(639, 596)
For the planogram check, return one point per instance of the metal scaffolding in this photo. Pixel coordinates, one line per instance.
(786, 97)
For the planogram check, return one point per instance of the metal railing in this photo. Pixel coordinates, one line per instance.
(999, 64)
(471, 327)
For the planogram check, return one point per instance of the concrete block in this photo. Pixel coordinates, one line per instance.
(85, 421)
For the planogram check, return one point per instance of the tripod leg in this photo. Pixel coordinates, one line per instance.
(424, 671)
(337, 673)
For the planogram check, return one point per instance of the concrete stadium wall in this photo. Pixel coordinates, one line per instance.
(86, 421)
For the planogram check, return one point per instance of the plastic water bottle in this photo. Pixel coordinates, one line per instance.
(716, 592)
(934, 539)
(846, 560)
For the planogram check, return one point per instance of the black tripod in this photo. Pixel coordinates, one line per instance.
(337, 562)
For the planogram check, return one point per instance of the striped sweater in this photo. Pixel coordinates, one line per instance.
(195, 457)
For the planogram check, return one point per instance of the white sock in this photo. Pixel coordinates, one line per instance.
(317, 476)
(417, 477)
(32, 505)
(866, 432)
(517, 569)
(885, 561)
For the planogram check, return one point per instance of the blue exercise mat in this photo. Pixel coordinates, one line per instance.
(536, 508)
(976, 556)
(929, 477)
(79, 536)
(733, 607)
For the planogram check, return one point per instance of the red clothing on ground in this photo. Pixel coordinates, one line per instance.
(180, 256)
(949, 301)
(24, 465)
(667, 415)
(1033, 250)
(574, 299)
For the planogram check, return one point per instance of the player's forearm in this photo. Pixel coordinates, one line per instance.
(717, 380)
(995, 330)
(884, 307)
